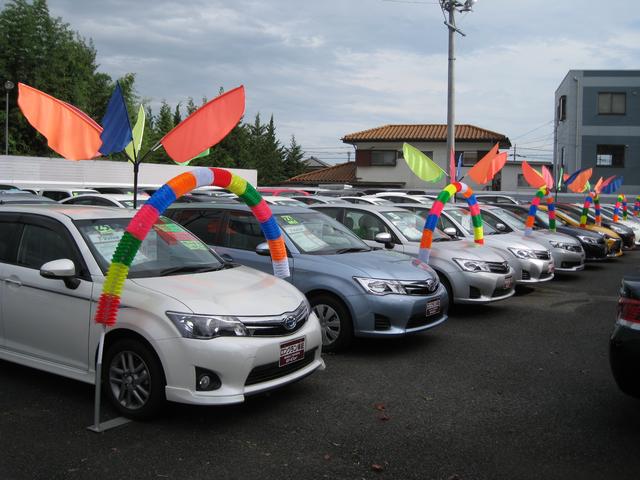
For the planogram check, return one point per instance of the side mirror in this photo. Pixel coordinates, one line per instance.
(384, 237)
(501, 227)
(63, 269)
(263, 249)
(450, 231)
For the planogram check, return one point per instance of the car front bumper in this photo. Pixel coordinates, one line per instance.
(535, 270)
(624, 357)
(395, 315)
(244, 365)
(567, 261)
(481, 287)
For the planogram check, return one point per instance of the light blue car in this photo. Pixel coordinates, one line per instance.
(354, 290)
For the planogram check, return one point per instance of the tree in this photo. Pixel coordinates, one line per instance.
(162, 124)
(177, 116)
(293, 164)
(45, 53)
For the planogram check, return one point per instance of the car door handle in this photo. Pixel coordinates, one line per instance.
(13, 282)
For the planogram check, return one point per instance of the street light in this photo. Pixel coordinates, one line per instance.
(8, 86)
(452, 6)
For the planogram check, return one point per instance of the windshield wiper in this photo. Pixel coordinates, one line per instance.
(352, 249)
(190, 269)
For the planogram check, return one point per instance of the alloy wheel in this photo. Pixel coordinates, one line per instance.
(129, 380)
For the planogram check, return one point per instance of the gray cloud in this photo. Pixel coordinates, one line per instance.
(324, 69)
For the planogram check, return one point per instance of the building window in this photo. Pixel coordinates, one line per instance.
(469, 159)
(562, 108)
(612, 103)
(521, 181)
(610, 156)
(383, 158)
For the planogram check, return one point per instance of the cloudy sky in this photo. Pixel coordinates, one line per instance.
(331, 67)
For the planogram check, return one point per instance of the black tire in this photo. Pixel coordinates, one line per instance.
(335, 321)
(447, 286)
(133, 379)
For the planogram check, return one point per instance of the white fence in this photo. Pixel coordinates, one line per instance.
(38, 171)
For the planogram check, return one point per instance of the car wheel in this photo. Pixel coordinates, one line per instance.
(447, 286)
(335, 322)
(133, 379)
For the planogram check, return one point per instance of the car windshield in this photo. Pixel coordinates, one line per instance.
(167, 249)
(315, 233)
(288, 201)
(508, 218)
(410, 225)
(463, 217)
(129, 203)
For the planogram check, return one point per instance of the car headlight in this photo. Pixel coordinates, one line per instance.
(469, 265)
(563, 245)
(617, 229)
(589, 240)
(378, 286)
(205, 327)
(522, 252)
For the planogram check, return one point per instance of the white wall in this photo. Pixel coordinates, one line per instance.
(36, 171)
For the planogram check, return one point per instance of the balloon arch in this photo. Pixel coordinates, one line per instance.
(622, 200)
(436, 209)
(141, 223)
(594, 198)
(543, 192)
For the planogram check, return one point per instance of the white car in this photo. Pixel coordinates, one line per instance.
(191, 328)
(368, 200)
(58, 194)
(106, 200)
(280, 200)
(400, 197)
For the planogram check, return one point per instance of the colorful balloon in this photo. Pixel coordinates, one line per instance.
(551, 209)
(595, 199)
(141, 223)
(622, 200)
(636, 207)
(436, 210)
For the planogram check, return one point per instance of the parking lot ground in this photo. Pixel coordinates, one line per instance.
(516, 390)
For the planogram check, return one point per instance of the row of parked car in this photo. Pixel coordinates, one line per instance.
(203, 322)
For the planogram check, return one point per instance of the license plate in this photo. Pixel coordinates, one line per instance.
(552, 267)
(291, 352)
(433, 307)
(508, 282)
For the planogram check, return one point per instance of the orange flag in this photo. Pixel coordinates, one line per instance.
(548, 178)
(205, 127)
(69, 131)
(577, 186)
(598, 185)
(487, 167)
(531, 175)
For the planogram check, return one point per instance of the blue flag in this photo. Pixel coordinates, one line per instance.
(614, 185)
(116, 133)
(459, 165)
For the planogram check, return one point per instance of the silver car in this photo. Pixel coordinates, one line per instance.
(568, 255)
(531, 260)
(471, 273)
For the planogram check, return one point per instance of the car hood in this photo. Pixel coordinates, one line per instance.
(448, 250)
(233, 291)
(386, 264)
(546, 236)
(577, 231)
(513, 240)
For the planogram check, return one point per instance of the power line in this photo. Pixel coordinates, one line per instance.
(533, 130)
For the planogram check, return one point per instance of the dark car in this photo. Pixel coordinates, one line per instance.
(593, 244)
(624, 345)
(626, 233)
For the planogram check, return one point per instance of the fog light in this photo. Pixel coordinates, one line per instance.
(206, 380)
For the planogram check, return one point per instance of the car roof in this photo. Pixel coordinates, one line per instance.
(115, 196)
(74, 212)
(364, 206)
(66, 189)
(276, 209)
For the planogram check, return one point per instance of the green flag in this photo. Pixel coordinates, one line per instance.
(138, 131)
(424, 168)
(203, 154)
(560, 178)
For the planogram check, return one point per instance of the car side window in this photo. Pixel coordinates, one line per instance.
(331, 212)
(40, 245)
(54, 195)
(242, 232)
(364, 224)
(204, 224)
(9, 234)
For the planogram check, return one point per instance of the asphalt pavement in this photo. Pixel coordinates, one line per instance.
(516, 390)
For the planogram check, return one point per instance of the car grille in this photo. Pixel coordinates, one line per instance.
(420, 287)
(526, 275)
(277, 326)
(271, 371)
(542, 254)
(381, 322)
(500, 292)
(498, 267)
(570, 264)
(575, 248)
(420, 320)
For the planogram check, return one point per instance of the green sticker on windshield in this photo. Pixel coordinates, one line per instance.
(193, 245)
(168, 227)
(103, 229)
(289, 219)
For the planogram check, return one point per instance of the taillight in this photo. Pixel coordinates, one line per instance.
(629, 310)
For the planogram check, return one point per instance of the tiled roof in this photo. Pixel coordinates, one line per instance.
(426, 133)
(342, 173)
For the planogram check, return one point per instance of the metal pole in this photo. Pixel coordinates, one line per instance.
(6, 123)
(136, 166)
(451, 127)
(96, 402)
